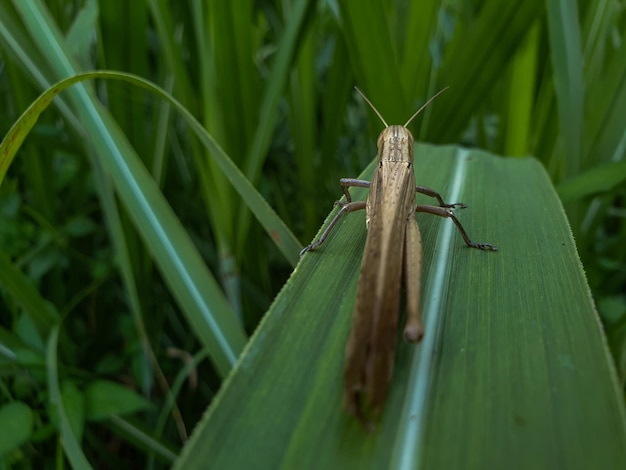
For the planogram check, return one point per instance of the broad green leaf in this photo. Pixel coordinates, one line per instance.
(513, 367)
(17, 425)
(104, 398)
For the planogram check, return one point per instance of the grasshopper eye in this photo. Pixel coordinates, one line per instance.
(409, 138)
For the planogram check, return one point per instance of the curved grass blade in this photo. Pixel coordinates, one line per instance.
(71, 446)
(278, 231)
(181, 265)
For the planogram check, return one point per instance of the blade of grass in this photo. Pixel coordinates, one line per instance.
(607, 113)
(269, 104)
(302, 123)
(275, 85)
(373, 58)
(142, 438)
(71, 446)
(421, 27)
(219, 198)
(118, 237)
(567, 67)
(475, 58)
(596, 180)
(217, 51)
(598, 23)
(338, 88)
(521, 93)
(123, 29)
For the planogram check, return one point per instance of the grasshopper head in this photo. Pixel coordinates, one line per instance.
(395, 144)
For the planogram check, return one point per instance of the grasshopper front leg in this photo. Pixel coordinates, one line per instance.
(351, 183)
(346, 207)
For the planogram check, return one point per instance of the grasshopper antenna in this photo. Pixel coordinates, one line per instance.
(419, 110)
(372, 106)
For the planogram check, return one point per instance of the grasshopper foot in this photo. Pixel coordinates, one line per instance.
(483, 246)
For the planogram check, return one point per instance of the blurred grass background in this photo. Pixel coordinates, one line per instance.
(272, 83)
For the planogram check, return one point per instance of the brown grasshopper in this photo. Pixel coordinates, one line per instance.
(393, 248)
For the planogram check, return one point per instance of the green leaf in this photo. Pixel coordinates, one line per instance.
(17, 425)
(513, 366)
(104, 398)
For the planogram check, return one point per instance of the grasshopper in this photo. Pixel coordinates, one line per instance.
(393, 248)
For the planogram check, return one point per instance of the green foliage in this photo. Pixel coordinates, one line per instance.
(110, 214)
